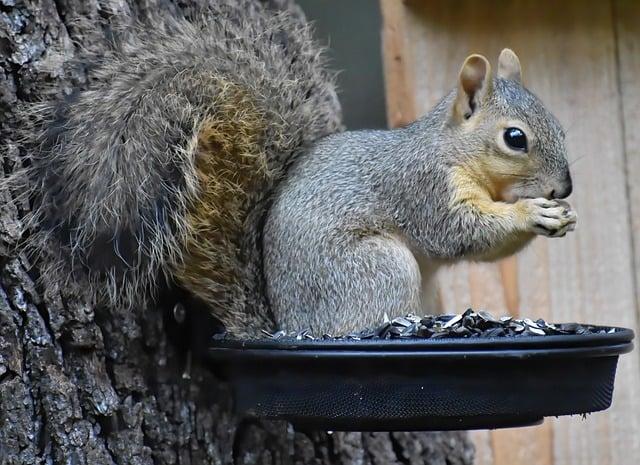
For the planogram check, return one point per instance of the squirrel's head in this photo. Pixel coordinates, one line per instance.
(507, 138)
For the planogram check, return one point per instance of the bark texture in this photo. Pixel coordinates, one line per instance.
(85, 385)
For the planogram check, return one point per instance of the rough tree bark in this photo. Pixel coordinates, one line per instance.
(83, 385)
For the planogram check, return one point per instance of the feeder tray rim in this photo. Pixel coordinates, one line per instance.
(450, 355)
(617, 342)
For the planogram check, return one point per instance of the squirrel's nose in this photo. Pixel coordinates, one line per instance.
(563, 190)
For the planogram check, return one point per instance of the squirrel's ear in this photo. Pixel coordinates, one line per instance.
(509, 66)
(474, 84)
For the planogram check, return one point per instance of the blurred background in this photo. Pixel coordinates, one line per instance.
(351, 30)
(397, 58)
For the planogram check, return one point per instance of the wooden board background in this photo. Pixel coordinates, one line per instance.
(583, 59)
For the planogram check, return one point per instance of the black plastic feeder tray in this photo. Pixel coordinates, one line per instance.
(421, 384)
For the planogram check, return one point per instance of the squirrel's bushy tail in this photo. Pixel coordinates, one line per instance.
(163, 167)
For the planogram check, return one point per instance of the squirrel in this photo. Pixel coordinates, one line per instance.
(209, 152)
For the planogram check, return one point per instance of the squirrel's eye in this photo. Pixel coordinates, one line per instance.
(515, 139)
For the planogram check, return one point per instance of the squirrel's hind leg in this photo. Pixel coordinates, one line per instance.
(347, 289)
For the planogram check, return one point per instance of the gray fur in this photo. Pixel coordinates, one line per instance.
(364, 218)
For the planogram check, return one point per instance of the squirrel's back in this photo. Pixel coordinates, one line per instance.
(163, 167)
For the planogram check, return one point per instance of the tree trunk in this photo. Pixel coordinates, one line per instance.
(85, 385)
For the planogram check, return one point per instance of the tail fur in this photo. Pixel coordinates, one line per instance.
(164, 166)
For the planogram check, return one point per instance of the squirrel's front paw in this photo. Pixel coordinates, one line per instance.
(552, 218)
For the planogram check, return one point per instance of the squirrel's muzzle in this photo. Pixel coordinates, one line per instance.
(563, 189)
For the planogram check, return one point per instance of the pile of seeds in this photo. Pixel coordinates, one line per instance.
(469, 324)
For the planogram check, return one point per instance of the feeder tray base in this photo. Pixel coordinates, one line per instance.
(434, 424)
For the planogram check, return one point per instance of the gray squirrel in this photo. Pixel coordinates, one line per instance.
(208, 153)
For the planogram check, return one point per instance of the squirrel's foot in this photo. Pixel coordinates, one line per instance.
(551, 218)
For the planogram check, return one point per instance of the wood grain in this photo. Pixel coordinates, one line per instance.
(627, 17)
(627, 28)
(585, 65)
(398, 64)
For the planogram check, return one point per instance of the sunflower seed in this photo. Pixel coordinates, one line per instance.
(469, 324)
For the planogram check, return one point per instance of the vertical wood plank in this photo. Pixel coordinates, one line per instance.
(627, 17)
(627, 27)
(398, 64)
(570, 58)
(509, 276)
